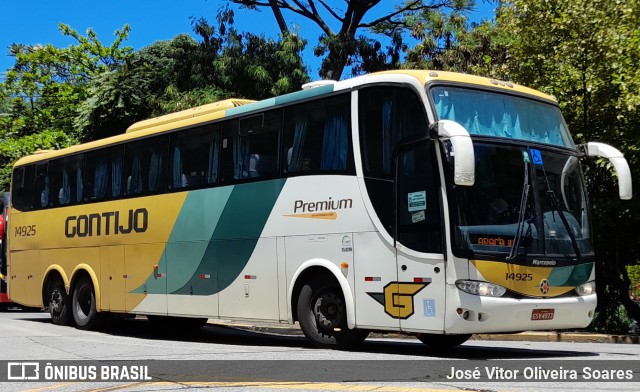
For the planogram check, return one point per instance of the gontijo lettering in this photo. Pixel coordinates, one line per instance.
(107, 223)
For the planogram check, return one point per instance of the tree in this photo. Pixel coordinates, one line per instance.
(587, 54)
(46, 83)
(456, 45)
(344, 47)
(180, 73)
(41, 93)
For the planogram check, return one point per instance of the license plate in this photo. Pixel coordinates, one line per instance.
(542, 314)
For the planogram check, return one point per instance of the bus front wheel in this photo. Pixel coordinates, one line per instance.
(83, 305)
(323, 317)
(59, 306)
(441, 342)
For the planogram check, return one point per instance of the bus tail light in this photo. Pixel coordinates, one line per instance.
(484, 289)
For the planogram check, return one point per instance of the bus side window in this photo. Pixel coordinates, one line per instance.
(418, 210)
(194, 157)
(22, 196)
(317, 136)
(19, 191)
(104, 173)
(41, 186)
(145, 163)
(229, 131)
(255, 146)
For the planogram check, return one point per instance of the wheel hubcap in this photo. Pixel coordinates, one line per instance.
(329, 311)
(56, 302)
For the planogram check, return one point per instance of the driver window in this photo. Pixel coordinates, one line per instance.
(418, 210)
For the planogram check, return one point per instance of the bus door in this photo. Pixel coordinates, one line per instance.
(418, 301)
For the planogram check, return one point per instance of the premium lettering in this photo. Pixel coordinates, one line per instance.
(318, 206)
(107, 223)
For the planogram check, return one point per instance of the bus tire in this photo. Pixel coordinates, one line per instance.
(322, 315)
(83, 306)
(441, 342)
(59, 303)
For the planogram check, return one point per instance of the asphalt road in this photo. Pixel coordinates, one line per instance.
(228, 358)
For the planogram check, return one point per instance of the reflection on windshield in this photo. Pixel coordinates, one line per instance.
(487, 113)
(553, 219)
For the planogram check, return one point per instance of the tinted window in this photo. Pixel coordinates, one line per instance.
(103, 174)
(387, 116)
(67, 180)
(145, 166)
(317, 136)
(194, 157)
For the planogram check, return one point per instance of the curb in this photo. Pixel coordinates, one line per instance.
(531, 336)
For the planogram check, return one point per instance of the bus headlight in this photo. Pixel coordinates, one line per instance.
(586, 289)
(484, 289)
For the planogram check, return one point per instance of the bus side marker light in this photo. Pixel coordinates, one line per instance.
(372, 279)
(250, 277)
(205, 276)
(344, 268)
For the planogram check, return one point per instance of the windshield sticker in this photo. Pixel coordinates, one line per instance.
(417, 201)
(417, 217)
(536, 156)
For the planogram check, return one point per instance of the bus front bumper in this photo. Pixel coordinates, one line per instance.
(468, 313)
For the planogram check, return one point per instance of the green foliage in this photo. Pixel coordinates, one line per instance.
(181, 73)
(612, 320)
(47, 84)
(11, 149)
(633, 271)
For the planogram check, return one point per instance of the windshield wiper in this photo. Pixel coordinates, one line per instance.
(522, 211)
(563, 219)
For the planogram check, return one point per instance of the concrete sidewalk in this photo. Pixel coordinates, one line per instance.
(531, 336)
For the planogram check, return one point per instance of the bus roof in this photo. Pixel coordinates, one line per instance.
(233, 107)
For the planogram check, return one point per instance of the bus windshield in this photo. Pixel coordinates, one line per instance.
(486, 113)
(524, 201)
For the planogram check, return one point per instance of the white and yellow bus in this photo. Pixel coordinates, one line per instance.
(431, 203)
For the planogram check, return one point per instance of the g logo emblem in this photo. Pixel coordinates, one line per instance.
(397, 298)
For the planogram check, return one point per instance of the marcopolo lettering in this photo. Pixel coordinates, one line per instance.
(107, 223)
(318, 206)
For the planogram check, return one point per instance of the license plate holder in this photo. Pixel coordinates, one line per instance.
(542, 314)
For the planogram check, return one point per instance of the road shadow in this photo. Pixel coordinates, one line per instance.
(141, 328)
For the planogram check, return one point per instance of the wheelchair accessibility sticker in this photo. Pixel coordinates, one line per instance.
(429, 306)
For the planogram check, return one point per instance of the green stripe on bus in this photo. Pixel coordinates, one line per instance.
(235, 219)
(250, 107)
(189, 238)
(234, 237)
(304, 94)
(281, 100)
(573, 275)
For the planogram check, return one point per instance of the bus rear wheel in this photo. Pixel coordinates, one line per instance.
(83, 306)
(59, 304)
(323, 317)
(441, 342)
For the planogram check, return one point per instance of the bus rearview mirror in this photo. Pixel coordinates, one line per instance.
(461, 150)
(602, 150)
